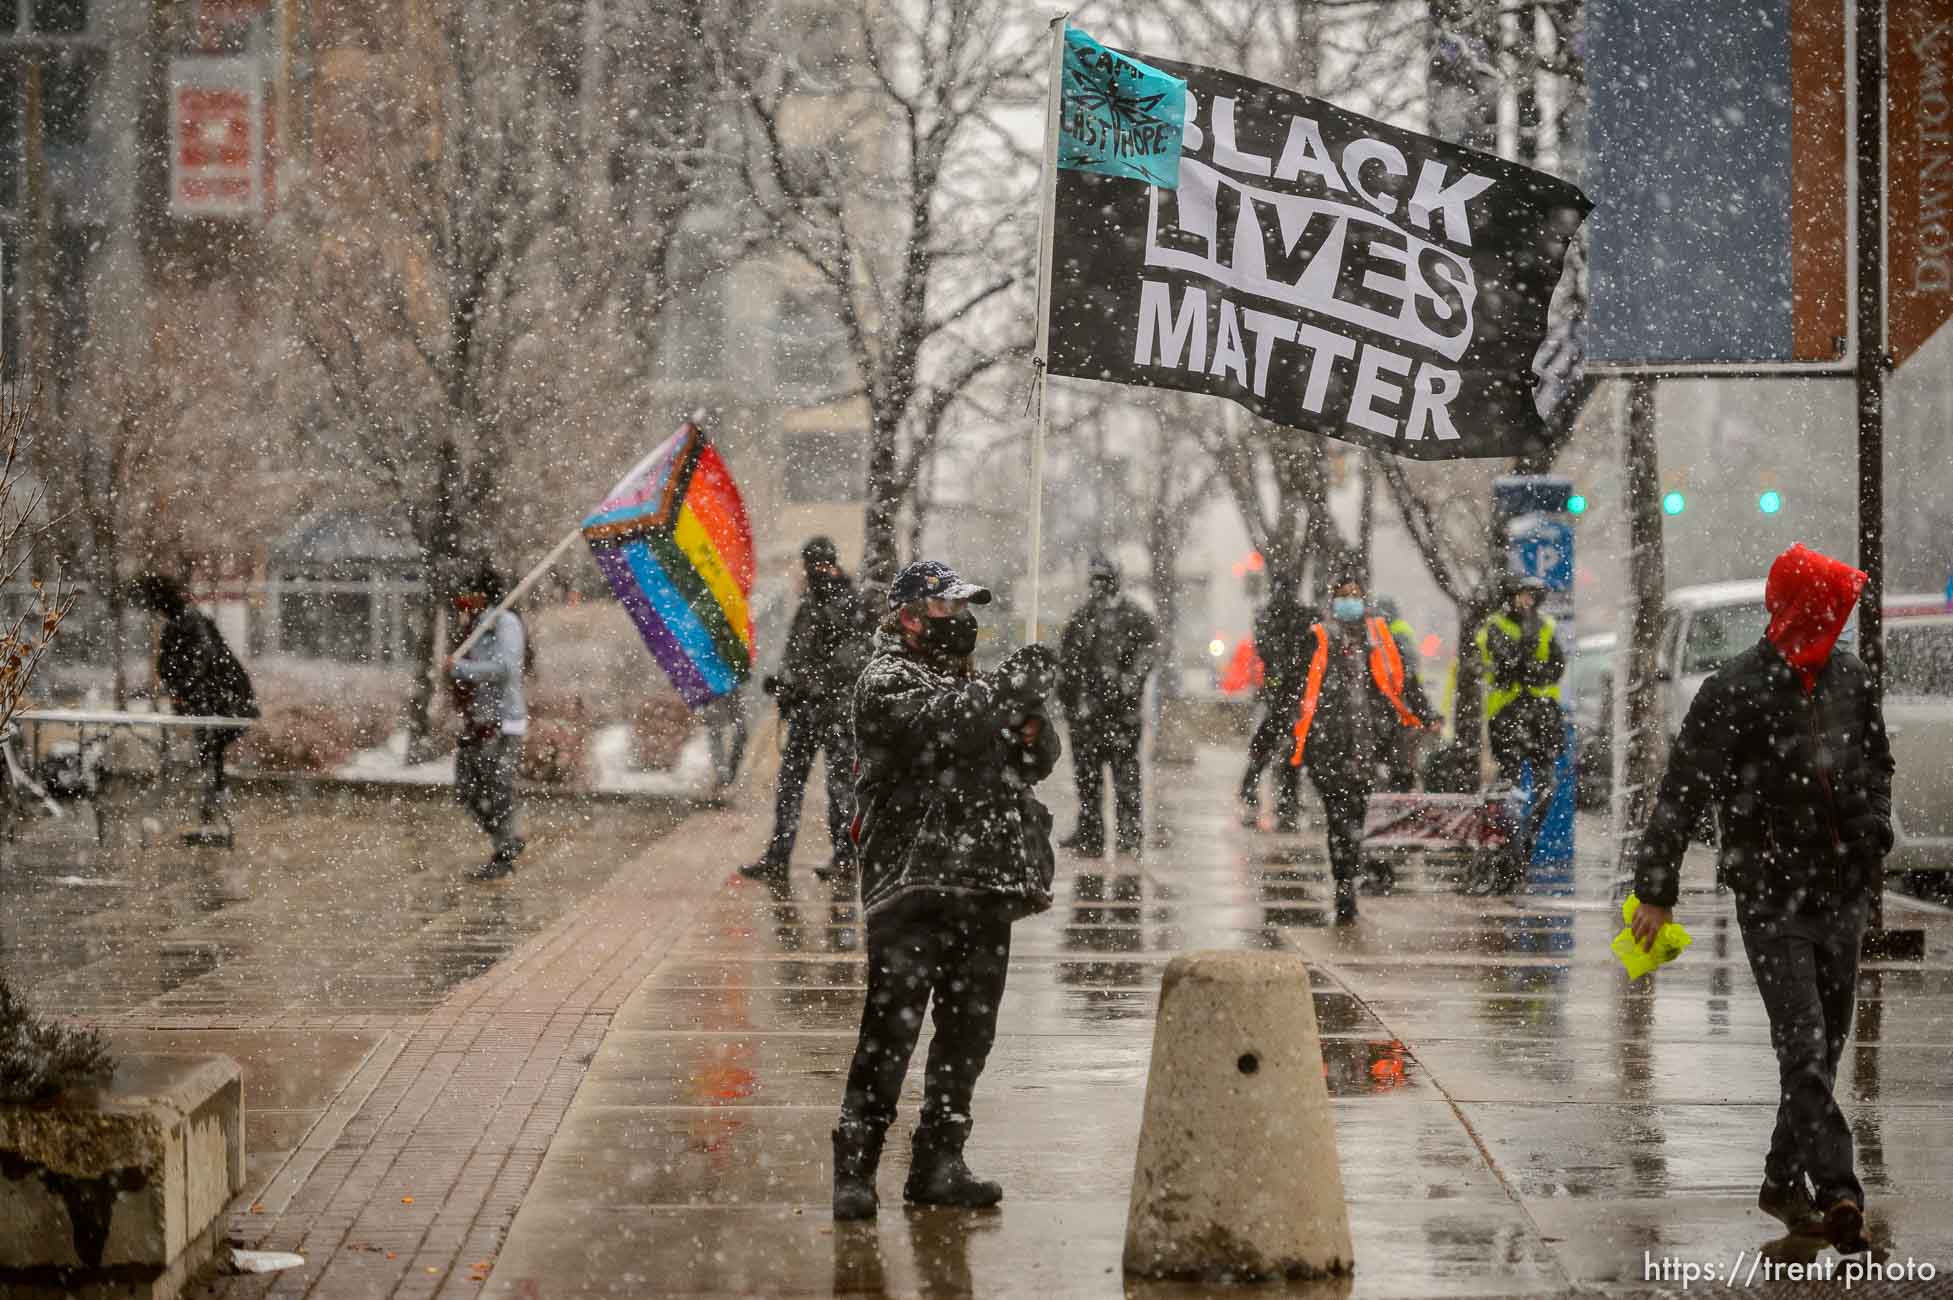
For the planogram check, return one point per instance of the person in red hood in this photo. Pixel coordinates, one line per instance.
(1787, 742)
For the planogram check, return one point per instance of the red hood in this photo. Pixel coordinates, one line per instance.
(1810, 598)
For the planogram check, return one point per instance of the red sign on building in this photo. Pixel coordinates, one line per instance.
(217, 138)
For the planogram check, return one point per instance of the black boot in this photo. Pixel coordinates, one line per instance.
(937, 1174)
(857, 1153)
(765, 869)
(1791, 1205)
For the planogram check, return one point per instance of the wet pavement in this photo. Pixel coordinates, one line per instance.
(1513, 1117)
(341, 916)
(615, 1076)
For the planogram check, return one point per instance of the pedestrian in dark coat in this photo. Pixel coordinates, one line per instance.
(1282, 642)
(202, 676)
(1354, 688)
(1787, 742)
(1105, 656)
(827, 646)
(954, 848)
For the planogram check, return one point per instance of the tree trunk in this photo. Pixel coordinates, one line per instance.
(1639, 758)
(441, 556)
(879, 558)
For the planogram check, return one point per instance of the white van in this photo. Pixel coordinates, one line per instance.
(1703, 628)
(1919, 719)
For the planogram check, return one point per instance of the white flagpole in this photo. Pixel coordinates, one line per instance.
(556, 553)
(1047, 234)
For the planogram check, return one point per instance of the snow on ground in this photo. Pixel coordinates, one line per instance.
(388, 762)
(608, 768)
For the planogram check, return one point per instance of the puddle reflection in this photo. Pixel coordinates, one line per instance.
(940, 1240)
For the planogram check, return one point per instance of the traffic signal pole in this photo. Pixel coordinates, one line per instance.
(1872, 360)
(1871, 365)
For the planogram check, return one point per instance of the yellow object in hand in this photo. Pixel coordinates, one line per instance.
(1669, 942)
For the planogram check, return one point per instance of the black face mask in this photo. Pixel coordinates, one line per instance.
(955, 636)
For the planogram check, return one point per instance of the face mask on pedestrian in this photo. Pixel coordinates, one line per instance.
(1347, 609)
(953, 636)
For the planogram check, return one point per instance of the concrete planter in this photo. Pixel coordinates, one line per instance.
(120, 1191)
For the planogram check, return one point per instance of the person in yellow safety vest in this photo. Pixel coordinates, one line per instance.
(1400, 752)
(1356, 693)
(1523, 664)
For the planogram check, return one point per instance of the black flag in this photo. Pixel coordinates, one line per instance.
(1326, 271)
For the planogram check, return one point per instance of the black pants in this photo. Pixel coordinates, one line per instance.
(1806, 968)
(211, 744)
(1092, 751)
(1345, 793)
(808, 734)
(484, 783)
(1273, 741)
(1528, 730)
(951, 950)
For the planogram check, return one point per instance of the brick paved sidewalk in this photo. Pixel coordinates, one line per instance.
(406, 1185)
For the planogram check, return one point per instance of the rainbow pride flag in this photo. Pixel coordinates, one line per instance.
(674, 544)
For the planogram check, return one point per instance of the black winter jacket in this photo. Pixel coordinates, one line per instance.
(199, 671)
(943, 793)
(1802, 782)
(827, 647)
(1284, 645)
(1105, 655)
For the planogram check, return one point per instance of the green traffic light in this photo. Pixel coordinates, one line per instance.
(1674, 503)
(1576, 504)
(1770, 502)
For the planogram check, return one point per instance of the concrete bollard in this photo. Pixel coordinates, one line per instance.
(1236, 1177)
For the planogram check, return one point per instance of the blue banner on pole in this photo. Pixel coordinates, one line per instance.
(1118, 116)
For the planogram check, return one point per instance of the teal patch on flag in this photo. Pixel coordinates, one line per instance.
(1117, 116)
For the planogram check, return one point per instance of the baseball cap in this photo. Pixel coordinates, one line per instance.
(933, 580)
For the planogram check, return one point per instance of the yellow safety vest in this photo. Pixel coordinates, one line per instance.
(1496, 696)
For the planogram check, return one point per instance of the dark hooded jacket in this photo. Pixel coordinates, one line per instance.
(827, 647)
(1787, 742)
(943, 795)
(1104, 658)
(199, 671)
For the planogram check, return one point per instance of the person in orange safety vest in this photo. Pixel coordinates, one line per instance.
(1355, 688)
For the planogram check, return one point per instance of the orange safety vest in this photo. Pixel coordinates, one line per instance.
(1386, 669)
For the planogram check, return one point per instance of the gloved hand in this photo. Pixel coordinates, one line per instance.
(1027, 674)
(770, 684)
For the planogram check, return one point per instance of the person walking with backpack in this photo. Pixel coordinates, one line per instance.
(202, 676)
(492, 715)
(1106, 653)
(1787, 742)
(827, 647)
(954, 849)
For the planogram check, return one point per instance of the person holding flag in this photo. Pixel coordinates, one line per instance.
(491, 715)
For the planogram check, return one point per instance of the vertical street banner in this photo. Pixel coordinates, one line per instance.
(1326, 271)
(1919, 173)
